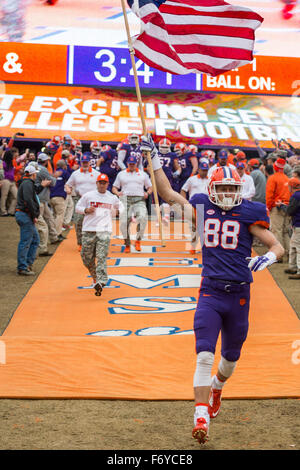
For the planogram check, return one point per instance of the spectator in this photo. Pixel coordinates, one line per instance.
(27, 212)
(293, 210)
(277, 199)
(269, 170)
(296, 172)
(8, 185)
(58, 196)
(259, 180)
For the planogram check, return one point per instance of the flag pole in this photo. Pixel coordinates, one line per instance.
(139, 97)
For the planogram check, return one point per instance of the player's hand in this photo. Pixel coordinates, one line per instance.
(148, 145)
(258, 263)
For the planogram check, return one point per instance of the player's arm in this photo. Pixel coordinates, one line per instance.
(121, 158)
(99, 163)
(194, 163)
(176, 166)
(183, 193)
(276, 250)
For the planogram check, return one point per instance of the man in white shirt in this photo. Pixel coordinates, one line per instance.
(248, 184)
(222, 161)
(96, 208)
(194, 185)
(82, 181)
(130, 186)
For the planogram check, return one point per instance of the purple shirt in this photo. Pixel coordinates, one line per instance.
(9, 174)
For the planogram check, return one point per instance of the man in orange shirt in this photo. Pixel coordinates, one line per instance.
(277, 200)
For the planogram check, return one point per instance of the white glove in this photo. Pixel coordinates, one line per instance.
(258, 263)
(148, 145)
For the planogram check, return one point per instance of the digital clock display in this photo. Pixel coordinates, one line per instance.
(113, 67)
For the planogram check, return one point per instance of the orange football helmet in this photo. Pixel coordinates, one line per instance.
(133, 139)
(95, 147)
(225, 176)
(76, 145)
(180, 148)
(164, 146)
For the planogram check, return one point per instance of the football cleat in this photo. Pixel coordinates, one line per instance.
(138, 245)
(200, 431)
(214, 402)
(192, 252)
(127, 249)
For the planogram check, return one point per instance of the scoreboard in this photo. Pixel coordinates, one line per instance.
(89, 93)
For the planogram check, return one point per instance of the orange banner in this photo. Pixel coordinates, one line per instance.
(36, 63)
(267, 75)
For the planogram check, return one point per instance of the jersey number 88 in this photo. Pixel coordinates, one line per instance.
(225, 234)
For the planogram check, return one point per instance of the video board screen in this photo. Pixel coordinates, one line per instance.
(210, 119)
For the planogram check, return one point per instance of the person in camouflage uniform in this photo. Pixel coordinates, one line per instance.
(97, 208)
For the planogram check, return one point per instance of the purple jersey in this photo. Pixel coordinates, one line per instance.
(167, 163)
(132, 151)
(226, 238)
(185, 163)
(109, 166)
(93, 160)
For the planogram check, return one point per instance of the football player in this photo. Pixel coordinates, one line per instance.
(226, 224)
(95, 148)
(188, 162)
(130, 148)
(108, 164)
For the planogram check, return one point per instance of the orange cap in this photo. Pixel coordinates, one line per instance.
(253, 162)
(103, 177)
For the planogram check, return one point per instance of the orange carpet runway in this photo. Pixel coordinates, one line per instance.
(136, 340)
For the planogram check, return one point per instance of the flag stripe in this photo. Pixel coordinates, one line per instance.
(200, 36)
(222, 12)
(214, 51)
(163, 58)
(195, 35)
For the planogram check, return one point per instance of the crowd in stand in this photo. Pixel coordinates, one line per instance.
(273, 178)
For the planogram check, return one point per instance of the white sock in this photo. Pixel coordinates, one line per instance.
(216, 383)
(201, 411)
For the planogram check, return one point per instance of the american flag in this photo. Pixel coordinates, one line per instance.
(192, 36)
